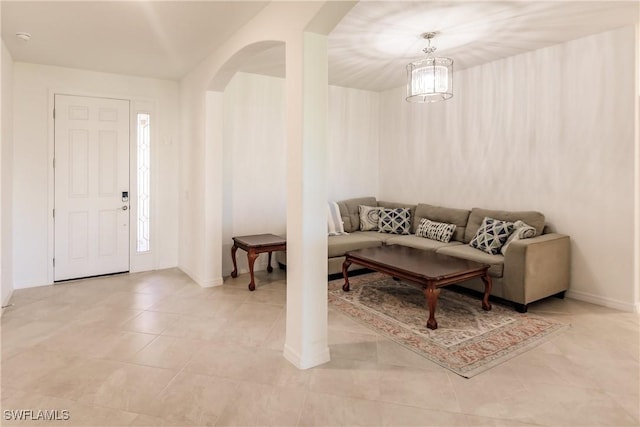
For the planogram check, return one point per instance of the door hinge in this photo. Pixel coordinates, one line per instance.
(54, 114)
(54, 162)
(54, 262)
(54, 213)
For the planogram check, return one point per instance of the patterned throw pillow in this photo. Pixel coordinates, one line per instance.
(334, 220)
(433, 230)
(492, 234)
(521, 230)
(369, 217)
(394, 221)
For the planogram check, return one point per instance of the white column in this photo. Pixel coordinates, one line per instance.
(306, 343)
(212, 262)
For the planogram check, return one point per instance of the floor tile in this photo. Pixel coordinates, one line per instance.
(151, 322)
(250, 324)
(353, 345)
(167, 352)
(263, 405)
(193, 399)
(244, 363)
(129, 387)
(154, 348)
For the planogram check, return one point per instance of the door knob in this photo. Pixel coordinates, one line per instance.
(125, 207)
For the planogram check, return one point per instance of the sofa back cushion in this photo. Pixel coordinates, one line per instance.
(532, 218)
(459, 217)
(350, 213)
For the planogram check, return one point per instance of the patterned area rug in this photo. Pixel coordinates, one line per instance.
(468, 340)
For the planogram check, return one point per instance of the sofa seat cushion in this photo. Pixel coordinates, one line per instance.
(472, 254)
(414, 241)
(383, 237)
(339, 245)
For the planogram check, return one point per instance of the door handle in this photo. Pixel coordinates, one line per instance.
(125, 207)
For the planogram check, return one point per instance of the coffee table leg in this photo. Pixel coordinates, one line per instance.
(432, 300)
(234, 273)
(486, 305)
(269, 268)
(345, 274)
(251, 256)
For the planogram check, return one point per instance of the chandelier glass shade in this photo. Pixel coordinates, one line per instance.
(430, 79)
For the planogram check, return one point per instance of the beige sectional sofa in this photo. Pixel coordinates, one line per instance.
(531, 269)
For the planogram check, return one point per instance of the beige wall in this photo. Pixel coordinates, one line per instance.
(6, 168)
(33, 88)
(550, 130)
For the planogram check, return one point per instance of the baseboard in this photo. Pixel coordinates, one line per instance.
(6, 301)
(604, 301)
(210, 283)
(296, 359)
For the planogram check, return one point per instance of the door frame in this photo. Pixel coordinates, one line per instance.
(137, 262)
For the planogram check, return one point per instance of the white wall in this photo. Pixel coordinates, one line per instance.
(353, 143)
(6, 168)
(550, 130)
(255, 162)
(33, 85)
(255, 170)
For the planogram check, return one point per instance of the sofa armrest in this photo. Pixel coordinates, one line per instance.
(537, 268)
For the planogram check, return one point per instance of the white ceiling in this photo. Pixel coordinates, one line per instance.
(369, 48)
(143, 38)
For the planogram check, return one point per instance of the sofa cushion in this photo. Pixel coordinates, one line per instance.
(459, 217)
(369, 217)
(383, 237)
(350, 214)
(496, 262)
(396, 205)
(521, 230)
(492, 235)
(435, 230)
(339, 245)
(414, 241)
(394, 221)
(534, 219)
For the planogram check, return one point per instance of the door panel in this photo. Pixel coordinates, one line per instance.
(91, 172)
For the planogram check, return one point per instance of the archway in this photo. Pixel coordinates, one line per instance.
(306, 95)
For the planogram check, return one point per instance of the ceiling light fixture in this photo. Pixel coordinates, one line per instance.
(430, 79)
(25, 37)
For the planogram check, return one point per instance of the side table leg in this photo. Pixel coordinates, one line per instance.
(251, 256)
(269, 268)
(486, 305)
(432, 294)
(345, 274)
(234, 273)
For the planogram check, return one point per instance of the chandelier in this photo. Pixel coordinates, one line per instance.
(430, 79)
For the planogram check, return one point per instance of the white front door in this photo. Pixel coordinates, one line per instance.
(91, 172)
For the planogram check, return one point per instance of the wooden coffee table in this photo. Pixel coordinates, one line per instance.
(426, 269)
(255, 245)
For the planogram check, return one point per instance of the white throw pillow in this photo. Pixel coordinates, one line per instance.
(521, 230)
(334, 220)
(369, 217)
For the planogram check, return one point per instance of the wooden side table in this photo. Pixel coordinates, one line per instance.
(255, 245)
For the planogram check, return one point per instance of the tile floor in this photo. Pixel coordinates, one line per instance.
(156, 349)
